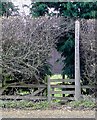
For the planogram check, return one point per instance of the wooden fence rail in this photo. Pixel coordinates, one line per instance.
(34, 95)
(17, 97)
(54, 88)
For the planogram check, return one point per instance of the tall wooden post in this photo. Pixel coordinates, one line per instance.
(0, 59)
(49, 89)
(77, 62)
(0, 51)
(0, 44)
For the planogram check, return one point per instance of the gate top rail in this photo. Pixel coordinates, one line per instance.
(62, 80)
(30, 85)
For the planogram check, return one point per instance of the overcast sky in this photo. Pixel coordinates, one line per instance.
(20, 3)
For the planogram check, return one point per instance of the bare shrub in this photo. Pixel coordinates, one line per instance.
(27, 44)
(88, 51)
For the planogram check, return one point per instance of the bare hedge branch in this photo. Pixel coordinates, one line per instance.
(27, 44)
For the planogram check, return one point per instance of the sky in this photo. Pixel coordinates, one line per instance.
(20, 3)
(25, 10)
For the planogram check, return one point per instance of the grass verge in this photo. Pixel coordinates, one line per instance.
(82, 104)
(24, 104)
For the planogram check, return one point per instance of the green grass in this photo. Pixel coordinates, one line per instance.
(43, 105)
(21, 92)
(57, 76)
(82, 103)
(24, 104)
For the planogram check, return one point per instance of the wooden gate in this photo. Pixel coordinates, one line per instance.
(64, 89)
(61, 89)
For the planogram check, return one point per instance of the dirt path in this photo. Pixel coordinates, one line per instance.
(47, 114)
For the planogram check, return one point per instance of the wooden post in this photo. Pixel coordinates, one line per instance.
(0, 45)
(63, 89)
(1, 51)
(49, 94)
(77, 62)
(1, 60)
